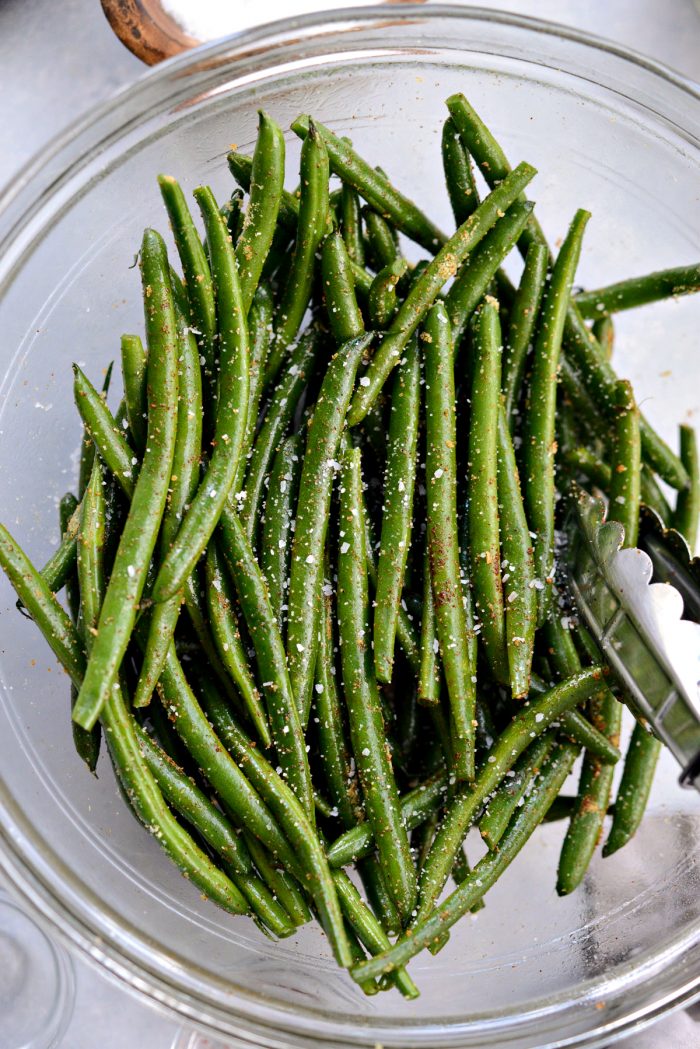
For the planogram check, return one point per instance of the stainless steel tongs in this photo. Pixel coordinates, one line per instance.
(642, 605)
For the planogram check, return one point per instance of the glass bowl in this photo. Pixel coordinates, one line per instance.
(609, 132)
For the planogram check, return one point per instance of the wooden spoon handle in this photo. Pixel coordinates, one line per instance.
(146, 29)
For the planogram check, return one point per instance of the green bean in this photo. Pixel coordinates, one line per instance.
(429, 667)
(538, 442)
(638, 291)
(67, 507)
(107, 436)
(193, 805)
(87, 447)
(594, 789)
(416, 805)
(333, 750)
(135, 399)
(91, 515)
(198, 280)
(227, 637)
(138, 539)
(382, 298)
(184, 482)
(399, 481)
(367, 729)
(685, 516)
(283, 886)
(423, 292)
(260, 318)
(241, 167)
(634, 789)
(482, 491)
(459, 174)
(561, 650)
(308, 858)
(344, 315)
(604, 331)
(626, 463)
(279, 517)
(578, 728)
(232, 213)
(313, 510)
(484, 874)
(503, 803)
(311, 228)
(266, 185)
(449, 596)
(285, 725)
(517, 564)
(368, 929)
(373, 186)
(269, 912)
(279, 413)
(378, 897)
(475, 277)
(580, 347)
(380, 238)
(585, 461)
(61, 564)
(523, 321)
(530, 722)
(351, 224)
(205, 508)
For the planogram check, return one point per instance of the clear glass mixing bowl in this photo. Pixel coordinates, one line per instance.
(612, 133)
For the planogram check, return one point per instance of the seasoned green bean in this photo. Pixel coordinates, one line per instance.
(104, 431)
(638, 291)
(284, 888)
(634, 789)
(135, 398)
(313, 508)
(503, 803)
(381, 240)
(522, 325)
(399, 481)
(685, 516)
(344, 315)
(604, 330)
(626, 465)
(459, 174)
(382, 299)
(362, 698)
(280, 506)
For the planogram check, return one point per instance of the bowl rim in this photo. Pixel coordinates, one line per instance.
(30, 871)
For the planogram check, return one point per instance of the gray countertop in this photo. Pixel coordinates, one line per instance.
(60, 59)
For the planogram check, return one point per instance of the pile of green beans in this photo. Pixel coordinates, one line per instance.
(312, 602)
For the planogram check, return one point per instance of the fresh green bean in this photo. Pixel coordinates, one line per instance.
(279, 413)
(482, 491)
(184, 482)
(138, 539)
(107, 436)
(227, 637)
(459, 174)
(531, 721)
(373, 186)
(87, 446)
(594, 789)
(424, 291)
(205, 508)
(485, 873)
(266, 185)
(351, 224)
(638, 291)
(313, 510)
(382, 299)
(517, 563)
(308, 858)
(362, 697)
(135, 399)
(399, 481)
(634, 789)
(475, 277)
(311, 228)
(198, 280)
(344, 315)
(285, 725)
(449, 596)
(503, 803)
(685, 516)
(538, 442)
(522, 325)
(280, 506)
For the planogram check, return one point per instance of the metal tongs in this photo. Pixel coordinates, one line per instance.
(642, 605)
